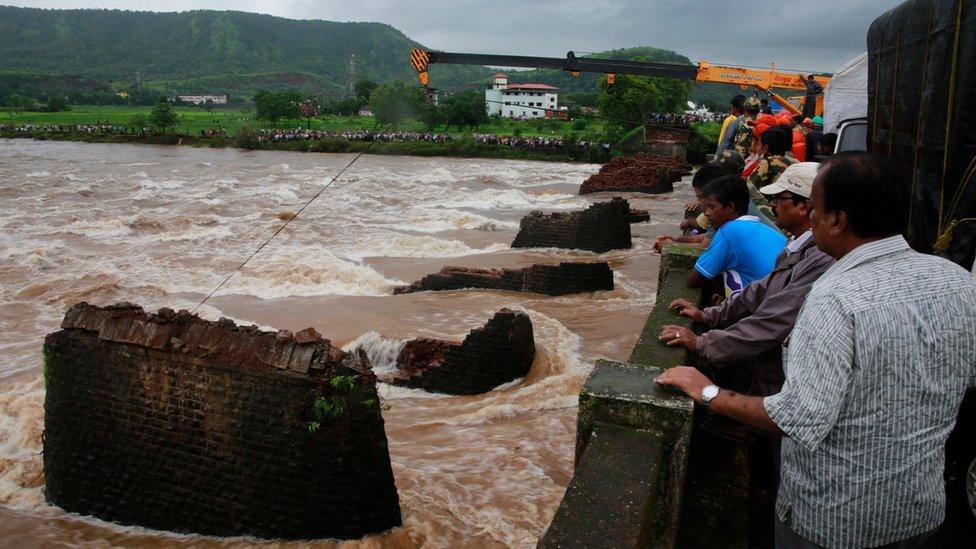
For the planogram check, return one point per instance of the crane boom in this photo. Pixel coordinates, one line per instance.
(762, 79)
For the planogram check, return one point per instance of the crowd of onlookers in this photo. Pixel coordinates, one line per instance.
(822, 341)
(687, 118)
(300, 134)
(534, 142)
(67, 128)
(297, 134)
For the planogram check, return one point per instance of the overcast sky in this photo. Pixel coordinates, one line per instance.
(795, 34)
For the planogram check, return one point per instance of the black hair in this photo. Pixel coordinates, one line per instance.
(797, 118)
(777, 139)
(764, 101)
(871, 189)
(738, 101)
(705, 174)
(729, 189)
(753, 110)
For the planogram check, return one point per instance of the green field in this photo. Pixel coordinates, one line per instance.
(192, 120)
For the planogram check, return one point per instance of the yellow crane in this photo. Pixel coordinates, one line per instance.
(764, 80)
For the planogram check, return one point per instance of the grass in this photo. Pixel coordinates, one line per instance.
(194, 119)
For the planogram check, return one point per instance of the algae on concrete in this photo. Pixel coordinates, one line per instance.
(632, 437)
(676, 262)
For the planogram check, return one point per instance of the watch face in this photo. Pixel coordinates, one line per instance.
(710, 392)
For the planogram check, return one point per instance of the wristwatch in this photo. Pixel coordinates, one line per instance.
(708, 393)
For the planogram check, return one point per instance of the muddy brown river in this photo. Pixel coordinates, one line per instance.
(162, 226)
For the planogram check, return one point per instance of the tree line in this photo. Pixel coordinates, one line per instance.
(391, 104)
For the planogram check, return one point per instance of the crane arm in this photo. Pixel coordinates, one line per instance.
(571, 64)
(763, 79)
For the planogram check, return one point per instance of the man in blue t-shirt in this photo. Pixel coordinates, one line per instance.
(743, 249)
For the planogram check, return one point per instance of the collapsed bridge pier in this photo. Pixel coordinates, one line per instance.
(176, 423)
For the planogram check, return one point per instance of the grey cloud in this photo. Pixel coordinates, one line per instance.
(801, 34)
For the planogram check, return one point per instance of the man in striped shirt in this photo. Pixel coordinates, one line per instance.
(876, 367)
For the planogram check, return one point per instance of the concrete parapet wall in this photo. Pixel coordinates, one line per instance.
(172, 422)
(600, 228)
(632, 438)
(562, 279)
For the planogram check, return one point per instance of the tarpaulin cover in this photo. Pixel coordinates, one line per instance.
(846, 95)
(922, 113)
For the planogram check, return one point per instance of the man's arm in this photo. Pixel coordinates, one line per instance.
(711, 262)
(695, 279)
(772, 319)
(739, 306)
(819, 361)
(747, 410)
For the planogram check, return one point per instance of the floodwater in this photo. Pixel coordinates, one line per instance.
(162, 226)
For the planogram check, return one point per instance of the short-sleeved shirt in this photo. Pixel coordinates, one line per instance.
(722, 136)
(741, 251)
(876, 367)
(703, 222)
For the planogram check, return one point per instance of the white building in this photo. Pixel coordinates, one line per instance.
(520, 100)
(215, 98)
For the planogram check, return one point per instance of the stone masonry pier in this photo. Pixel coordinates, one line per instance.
(499, 352)
(602, 227)
(172, 422)
(562, 279)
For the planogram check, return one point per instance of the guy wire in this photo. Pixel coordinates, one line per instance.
(281, 228)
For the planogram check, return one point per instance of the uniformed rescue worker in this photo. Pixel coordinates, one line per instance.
(774, 146)
(743, 136)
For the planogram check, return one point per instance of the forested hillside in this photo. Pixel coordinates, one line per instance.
(92, 51)
(119, 46)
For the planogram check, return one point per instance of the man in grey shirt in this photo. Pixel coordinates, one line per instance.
(750, 327)
(876, 369)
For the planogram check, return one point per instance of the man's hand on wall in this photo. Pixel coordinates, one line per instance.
(684, 308)
(686, 378)
(679, 336)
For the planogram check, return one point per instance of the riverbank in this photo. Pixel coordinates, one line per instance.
(464, 147)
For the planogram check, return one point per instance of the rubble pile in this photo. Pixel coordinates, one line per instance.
(639, 216)
(642, 172)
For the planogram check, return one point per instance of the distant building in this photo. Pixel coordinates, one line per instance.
(520, 100)
(365, 111)
(431, 94)
(215, 98)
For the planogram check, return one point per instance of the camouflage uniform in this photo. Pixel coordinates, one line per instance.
(767, 172)
(743, 137)
(730, 161)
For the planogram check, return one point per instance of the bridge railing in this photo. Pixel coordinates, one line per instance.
(632, 437)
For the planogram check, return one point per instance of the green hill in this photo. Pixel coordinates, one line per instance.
(54, 51)
(113, 45)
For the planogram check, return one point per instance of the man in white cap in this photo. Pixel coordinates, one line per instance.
(750, 327)
(748, 330)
